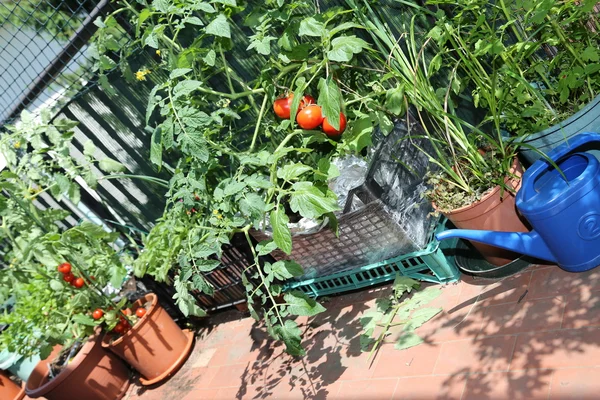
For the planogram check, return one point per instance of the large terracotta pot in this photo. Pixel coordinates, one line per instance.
(94, 374)
(9, 390)
(155, 346)
(493, 212)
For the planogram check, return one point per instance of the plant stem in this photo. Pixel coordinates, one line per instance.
(226, 65)
(152, 179)
(258, 121)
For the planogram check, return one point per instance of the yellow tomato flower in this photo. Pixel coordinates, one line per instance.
(17, 145)
(215, 212)
(141, 74)
(158, 53)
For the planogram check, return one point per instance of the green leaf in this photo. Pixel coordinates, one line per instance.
(281, 233)
(265, 247)
(109, 165)
(326, 170)
(156, 148)
(301, 304)
(419, 317)
(311, 27)
(207, 8)
(184, 88)
(153, 100)
(290, 334)
(74, 193)
(83, 320)
(206, 265)
(394, 100)
(262, 45)
(310, 202)
(231, 3)
(219, 27)
(193, 20)
(210, 58)
(257, 181)
(403, 284)
(63, 184)
(117, 275)
(330, 100)
(408, 340)
(252, 206)
(590, 54)
(343, 27)
(89, 148)
(233, 187)
(343, 48)
(284, 270)
(56, 285)
(360, 135)
(292, 171)
(176, 73)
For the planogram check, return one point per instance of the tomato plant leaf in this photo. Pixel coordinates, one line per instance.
(156, 147)
(281, 233)
(343, 48)
(89, 148)
(311, 27)
(265, 247)
(285, 269)
(210, 58)
(419, 317)
(84, 320)
(193, 20)
(231, 3)
(109, 165)
(310, 202)
(201, 6)
(394, 100)
(301, 304)
(184, 88)
(330, 100)
(177, 72)
(360, 136)
(292, 171)
(219, 27)
(290, 334)
(252, 205)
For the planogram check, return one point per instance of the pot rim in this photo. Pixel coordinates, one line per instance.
(490, 193)
(82, 354)
(153, 298)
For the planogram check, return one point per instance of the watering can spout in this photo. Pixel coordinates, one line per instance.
(530, 244)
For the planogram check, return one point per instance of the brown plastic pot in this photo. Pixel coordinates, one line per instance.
(496, 211)
(9, 390)
(155, 346)
(94, 374)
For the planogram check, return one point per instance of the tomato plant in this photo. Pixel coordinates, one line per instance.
(329, 130)
(98, 313)
(239, 165)
(64, 268)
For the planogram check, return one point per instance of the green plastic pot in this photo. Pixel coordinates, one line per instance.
(585, 120)
(17, 364)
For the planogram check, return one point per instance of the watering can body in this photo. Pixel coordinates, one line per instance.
(562, 205)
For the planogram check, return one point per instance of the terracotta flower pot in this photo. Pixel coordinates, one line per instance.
(94, 374)
(496, 213)
(9, 390)
(155, 346)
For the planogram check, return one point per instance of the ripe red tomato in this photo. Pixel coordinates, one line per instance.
(282, 105)
(310, 117)
(330, 130)
(65, 268)
(119, 328)
(140, 312)
(68, 277)
(98, 313)
(78, 283)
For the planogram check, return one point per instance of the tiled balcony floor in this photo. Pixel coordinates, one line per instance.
(532, 336)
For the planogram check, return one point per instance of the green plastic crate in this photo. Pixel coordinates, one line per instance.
(435, 264)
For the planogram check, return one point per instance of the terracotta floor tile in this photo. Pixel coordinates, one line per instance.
(557, 349)
(228, 376)
(575, 384)
(201, 377)
(200, 394)
(508, 290)
(468, 356)
(526, 385)
(452, 324)
(550, 282)
(392, 363)
(377, 389)
(430, 388)
(582, 310)
(471, 288)
(526, 316)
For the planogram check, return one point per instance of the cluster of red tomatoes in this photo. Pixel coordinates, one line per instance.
(309, 116)
(123, 325)
(65, 269)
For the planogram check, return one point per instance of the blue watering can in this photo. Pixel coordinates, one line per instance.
(562, 206)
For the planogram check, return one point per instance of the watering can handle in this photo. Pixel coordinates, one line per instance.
(556, 154)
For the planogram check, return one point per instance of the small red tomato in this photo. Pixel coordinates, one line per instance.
(68, 277)
(64, 268)
(97, 314)
(119, 328)
(282, 106)
(330, 130)
(140, 312)
(78, 283)
(310, 117)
